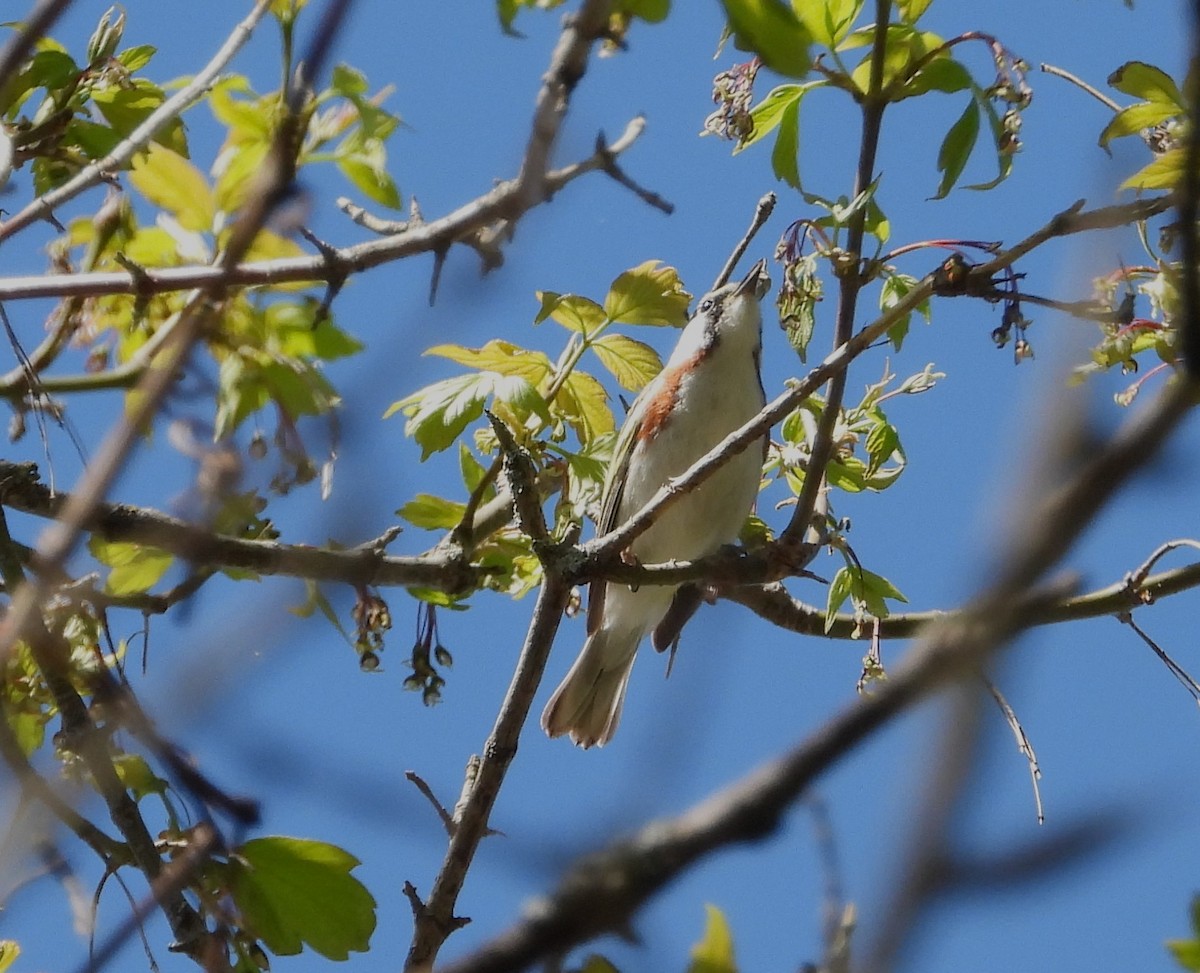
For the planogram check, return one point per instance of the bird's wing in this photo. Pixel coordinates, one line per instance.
(614, 491)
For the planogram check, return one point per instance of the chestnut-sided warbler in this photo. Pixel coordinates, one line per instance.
(709, 387)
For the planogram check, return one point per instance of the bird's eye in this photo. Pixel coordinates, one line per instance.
(706, 304)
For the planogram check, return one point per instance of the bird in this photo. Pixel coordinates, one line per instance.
(710, 386)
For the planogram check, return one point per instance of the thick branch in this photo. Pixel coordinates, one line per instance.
(367, 565)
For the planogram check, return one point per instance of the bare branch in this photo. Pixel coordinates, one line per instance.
(436, 919)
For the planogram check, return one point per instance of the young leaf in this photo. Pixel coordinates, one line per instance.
(768, 113)
(573, 312)
(135, 567)
(772, 31)
(785, 156)
(1163, 173)
(126, 107)
(293, 892)
(502, 357)
(10, 949)
(168, 180)
(584, 403)
(714, 952)
(1145, 81)
(438, 413)
(828, 21)
(1135, 118)
(956, 148)
(648, 294)
(631, 362)
(911, 10)
(839, 591)
(432, 513)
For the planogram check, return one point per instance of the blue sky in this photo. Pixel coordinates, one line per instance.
(276, 707)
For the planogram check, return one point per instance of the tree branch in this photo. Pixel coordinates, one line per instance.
(504, 203)
(444, 569)
(435, 919)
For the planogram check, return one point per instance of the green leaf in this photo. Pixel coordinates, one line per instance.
(432, 513)
(584, 404)
(135, 774)
(136, 57)
(911, 10)
(1185, 951)
(168, 180)
(502, 357)
(1003, 155)
(895, 288)
(438, 413)
(648, 294)
(768, 113)
(714, 952)
(473, 471)
(1145, 81)
(595, 963)
(126, 107)
(651, 11)
(839, 591)
(300, 330)
(1163, 173)
(9, 951)
(1135, 118)
(956, 148)
(772, 31)
(631, 362)
(828, 21)
(785, 156)
(573, 312)
(943, 74)
(507, 11)
(871, 589)
(366, 168)
(135, 567)
(293, 892)
(903, 48)
(881, 443)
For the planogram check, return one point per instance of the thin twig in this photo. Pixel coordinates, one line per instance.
(762, 213)
(436, 919)
(1023, 744)
(1100, 96)
(1176, 670)
(821, 449)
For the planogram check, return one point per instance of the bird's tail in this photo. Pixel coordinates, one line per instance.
(587, 704)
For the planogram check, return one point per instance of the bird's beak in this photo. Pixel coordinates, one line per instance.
(757, 282)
